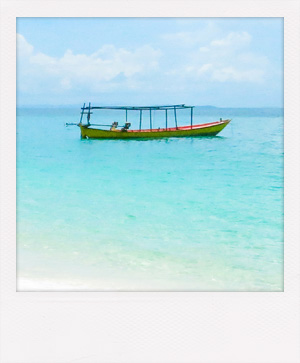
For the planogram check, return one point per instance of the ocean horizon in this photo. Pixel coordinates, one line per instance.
(176, 214)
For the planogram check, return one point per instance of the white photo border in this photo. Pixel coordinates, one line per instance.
(93, 327)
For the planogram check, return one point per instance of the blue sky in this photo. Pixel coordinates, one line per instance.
(225, 62)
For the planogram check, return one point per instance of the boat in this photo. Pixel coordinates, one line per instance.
(114, 131)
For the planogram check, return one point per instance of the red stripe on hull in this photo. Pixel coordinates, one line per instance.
(182, 127)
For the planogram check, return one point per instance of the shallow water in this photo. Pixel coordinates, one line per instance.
(203, 214)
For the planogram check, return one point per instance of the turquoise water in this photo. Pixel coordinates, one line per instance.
(191, 214)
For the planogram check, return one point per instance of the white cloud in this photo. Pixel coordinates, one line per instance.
(195, 60)
(199, 70)
(233, 39)
(23, 47)
(184, 38)
(232, 74)
(77, 70)
(253, 59)
(223, 59)
(204, 49)
(192, 38)
(66, 83)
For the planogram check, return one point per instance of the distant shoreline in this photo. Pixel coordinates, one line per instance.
(224, 112)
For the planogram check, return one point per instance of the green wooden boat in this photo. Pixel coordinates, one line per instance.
(96, 131)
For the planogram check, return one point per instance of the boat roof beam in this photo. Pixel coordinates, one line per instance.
(137, 108)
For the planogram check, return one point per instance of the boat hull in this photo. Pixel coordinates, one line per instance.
(210, 129)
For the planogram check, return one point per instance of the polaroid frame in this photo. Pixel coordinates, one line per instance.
(90, 327)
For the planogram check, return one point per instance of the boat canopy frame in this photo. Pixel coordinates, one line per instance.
(87, 110)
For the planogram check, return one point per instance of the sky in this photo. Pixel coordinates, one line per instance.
(223, 62)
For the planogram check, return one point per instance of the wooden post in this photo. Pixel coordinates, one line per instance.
(191, 117)
(166, 119)
(175, 117)
(150, 120)
(82, 113)
(89, 113)
(141, 119)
